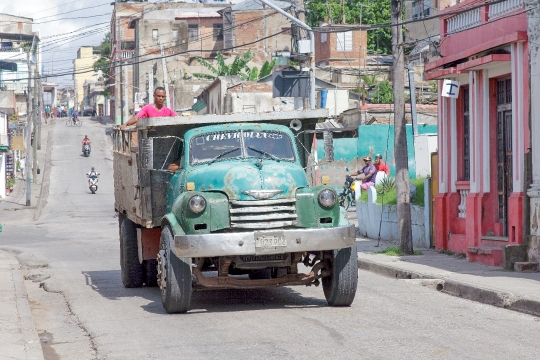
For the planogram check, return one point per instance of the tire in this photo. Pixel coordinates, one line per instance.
(79, 123)
(175, 276)
(340, 287)
(93, 191)
(68, 123)
(150, 272)
(346, 202)
(131, 268)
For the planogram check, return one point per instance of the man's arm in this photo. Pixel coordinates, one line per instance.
(131, 121)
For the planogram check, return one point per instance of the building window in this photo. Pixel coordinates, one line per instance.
(174, 35)
(344, 41)
(218, 32)
(155, 34)
(193, 32)
(324, 37)
(466, 136)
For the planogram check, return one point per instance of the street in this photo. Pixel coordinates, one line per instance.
(81, 310)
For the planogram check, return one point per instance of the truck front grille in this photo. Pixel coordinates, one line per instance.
(263, 214)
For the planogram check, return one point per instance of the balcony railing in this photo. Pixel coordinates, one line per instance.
(127, 54)
(500, 9)
(463, 21)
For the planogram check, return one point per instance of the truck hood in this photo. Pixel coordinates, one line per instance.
(236, 177)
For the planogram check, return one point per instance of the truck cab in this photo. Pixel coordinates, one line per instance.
(237, 211)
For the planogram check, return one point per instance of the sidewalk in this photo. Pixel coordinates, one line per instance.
(454, 275)
(18, 334)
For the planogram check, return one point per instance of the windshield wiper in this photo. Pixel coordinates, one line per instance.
(264, 153)
(223, 154)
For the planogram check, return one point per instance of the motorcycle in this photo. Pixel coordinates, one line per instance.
(86, 150)
(347, 196)
(93, 182)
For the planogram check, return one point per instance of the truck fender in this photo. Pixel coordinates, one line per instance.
(171, 220)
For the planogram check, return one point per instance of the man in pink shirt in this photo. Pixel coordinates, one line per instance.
(157, 109)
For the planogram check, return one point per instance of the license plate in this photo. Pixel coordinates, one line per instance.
(270, 241)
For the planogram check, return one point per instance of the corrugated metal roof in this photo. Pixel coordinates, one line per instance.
(258, 5)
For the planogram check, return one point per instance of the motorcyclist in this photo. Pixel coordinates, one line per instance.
(86, 140)
(92, 173)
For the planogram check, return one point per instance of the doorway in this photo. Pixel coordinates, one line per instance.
(504, 149)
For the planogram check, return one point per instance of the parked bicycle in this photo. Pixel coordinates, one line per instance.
(347, 196)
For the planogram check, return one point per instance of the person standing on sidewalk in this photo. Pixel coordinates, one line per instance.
(22, 166)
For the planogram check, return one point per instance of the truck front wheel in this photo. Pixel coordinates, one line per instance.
(131, 268)
(340, 287)
(174, 276)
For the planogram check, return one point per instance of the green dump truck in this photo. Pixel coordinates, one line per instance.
(237, 213)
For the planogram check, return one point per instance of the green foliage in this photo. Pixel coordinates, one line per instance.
(18, 165)
(267, 68)
(253, 73)
(203, 76)
(395, 251)
(386, 185)
(103, 63)
(383, 93)
(390, 197)
(10, 182)
(237, 67)
(375, 12)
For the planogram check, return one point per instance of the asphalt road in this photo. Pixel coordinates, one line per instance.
(82, 311)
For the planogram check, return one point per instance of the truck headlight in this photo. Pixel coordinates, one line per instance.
(327, 198)
(197, 204)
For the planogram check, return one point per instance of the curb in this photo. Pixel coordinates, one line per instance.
(460, 289)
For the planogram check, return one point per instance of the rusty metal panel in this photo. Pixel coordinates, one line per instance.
(148, 243)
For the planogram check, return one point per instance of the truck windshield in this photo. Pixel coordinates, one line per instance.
(210, 147)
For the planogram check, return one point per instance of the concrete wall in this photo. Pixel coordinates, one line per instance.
(337, 101)
(11, 24)
(245, 102)
(375, 219)
(424, 145)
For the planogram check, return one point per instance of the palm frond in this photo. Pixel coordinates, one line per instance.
(203, 76)
(207, 65)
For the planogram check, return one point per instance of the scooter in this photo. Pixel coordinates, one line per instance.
(86, 150)
(93, 183)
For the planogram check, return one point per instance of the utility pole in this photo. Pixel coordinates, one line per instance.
(412, 91)
(29, 113)
(362, 54)
(126, 96)
(40, 112)
(165, 77)
(400, 136)
(121, 94)
(35, 110)
(304, 26)
(150, 82)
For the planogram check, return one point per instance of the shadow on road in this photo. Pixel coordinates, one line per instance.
(109, 285)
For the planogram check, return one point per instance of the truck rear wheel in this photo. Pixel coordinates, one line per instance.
(174, 276)
(131, 268)
(340, 287)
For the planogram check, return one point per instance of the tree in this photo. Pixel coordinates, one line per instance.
(103, 63)
(375, 12)
(400, 137)
(237, 67)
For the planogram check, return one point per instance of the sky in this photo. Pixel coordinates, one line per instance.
(64, 26)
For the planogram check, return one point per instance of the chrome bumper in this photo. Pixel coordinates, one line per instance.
(243, 243)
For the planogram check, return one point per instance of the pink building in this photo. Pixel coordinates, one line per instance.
(484, 134)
